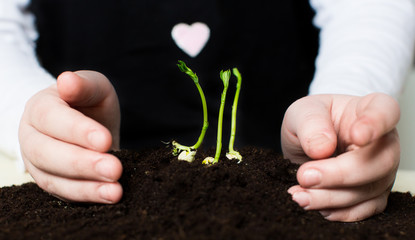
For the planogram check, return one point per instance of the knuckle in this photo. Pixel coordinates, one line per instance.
(383, 202)
(391, 161)
(371, 188)
(82, 167)
(29, 150)
(329, 199)
(40, 111)
(391, 151)
(46, 184)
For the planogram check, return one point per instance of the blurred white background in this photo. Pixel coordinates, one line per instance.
(406, 125)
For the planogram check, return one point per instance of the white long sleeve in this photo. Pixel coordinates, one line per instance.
(20, 74)
(365, 45)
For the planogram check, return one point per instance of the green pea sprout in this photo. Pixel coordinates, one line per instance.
(187, 153)
(232, 154)
(225, 76)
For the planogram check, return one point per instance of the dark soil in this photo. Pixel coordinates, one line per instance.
(168, 199)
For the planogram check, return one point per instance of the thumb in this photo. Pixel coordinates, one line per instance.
(309, 119)
(84, 88)
(377, 114)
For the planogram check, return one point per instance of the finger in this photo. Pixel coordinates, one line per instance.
(68, 160)
(84, 88)
(377, 114)
(77, 190)
(358, 212)
(53, 117)
(92, 94)
(357, 167)
(317, 199)
(308, 121)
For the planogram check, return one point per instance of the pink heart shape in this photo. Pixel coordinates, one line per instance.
(191, 38)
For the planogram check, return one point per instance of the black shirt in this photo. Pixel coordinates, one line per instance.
(273, 44)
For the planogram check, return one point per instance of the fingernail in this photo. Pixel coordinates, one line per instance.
(311, 177)
(104, 192)
(96, 139)
(325, 213)
(103, 168)
(302, 198)
(291, 190)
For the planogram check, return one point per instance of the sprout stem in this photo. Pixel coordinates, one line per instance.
(232, 154)
(189, 152)
(205, 118)
(225, 76)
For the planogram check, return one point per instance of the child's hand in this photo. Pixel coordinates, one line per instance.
(65, 133)
(350, 150)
